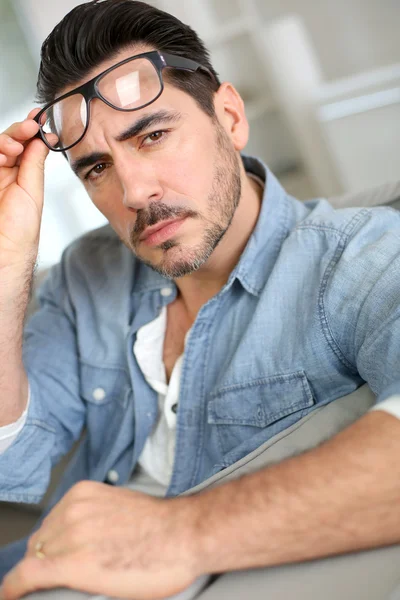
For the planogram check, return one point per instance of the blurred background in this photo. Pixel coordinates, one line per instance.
(321, 83)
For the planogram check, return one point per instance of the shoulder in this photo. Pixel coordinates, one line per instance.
(324, 217)
(352, 228)
(364, 274)
(358, 243)
(356, 252)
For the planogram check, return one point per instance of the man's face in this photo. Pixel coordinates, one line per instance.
(167, 177)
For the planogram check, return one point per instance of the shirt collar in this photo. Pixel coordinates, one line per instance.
(271, 229)
(262, 247)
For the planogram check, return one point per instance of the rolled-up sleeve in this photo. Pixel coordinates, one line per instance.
(391, 406)
(361, 306)
(56, 414)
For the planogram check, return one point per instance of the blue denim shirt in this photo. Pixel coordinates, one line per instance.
(308, 314)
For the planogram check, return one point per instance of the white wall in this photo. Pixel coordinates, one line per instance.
(38, 17)
(349, 36)
(18, 80)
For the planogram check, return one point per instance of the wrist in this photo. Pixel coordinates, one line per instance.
(16, 282)
(15, 400)
(190, 536)
(13, 415)
(200, 532)
(16, 264)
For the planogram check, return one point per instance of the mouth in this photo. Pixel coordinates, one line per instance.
(161, 232)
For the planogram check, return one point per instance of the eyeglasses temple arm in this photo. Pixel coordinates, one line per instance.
(179, 62)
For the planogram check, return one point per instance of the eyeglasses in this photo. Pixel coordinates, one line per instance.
(129, 85)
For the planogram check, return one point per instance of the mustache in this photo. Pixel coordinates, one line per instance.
(156, 212)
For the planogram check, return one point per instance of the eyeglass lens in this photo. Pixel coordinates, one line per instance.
(127, 87)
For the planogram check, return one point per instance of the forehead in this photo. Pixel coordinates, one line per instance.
(107, 63)
(107, 125)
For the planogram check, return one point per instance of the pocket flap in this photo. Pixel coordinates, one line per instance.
(260, 402)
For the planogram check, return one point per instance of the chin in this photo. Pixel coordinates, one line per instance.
(176, 262)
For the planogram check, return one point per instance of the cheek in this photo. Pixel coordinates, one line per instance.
(107, 195)
(122, 223)
(110, 204)
(188, 167)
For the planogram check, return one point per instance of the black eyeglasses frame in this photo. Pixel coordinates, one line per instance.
(89, 90)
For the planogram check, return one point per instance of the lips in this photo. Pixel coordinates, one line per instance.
(150, 230)
(160, 233)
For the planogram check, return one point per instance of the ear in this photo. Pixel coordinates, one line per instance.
(229, 108)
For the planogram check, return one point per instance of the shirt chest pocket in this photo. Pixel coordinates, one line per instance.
(105, 392)
(246, 415)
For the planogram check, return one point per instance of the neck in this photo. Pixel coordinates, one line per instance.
(197, 288)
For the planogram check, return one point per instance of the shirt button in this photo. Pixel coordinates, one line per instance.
(99, 394)
(112, 476)
(166, 292)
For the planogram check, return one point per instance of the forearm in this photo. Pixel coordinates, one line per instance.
(14, 297)
(339, 497)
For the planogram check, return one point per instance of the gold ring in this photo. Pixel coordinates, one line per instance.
(39, 550)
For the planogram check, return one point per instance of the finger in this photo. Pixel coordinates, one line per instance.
(13, 141)
(9, 150)
(90, 501)
(80, 572)
(33, 113)
(43, 539)
(23, 130)
(56, 531)
(30, 575)
(9, 146)
(66, 533)
(66, 543)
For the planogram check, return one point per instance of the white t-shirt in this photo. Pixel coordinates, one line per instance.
(156, 462)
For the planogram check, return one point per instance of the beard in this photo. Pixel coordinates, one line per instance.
(180, 259)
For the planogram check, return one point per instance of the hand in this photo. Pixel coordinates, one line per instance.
(113, 541)
(21, 190)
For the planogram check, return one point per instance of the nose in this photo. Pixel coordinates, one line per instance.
(139, 182)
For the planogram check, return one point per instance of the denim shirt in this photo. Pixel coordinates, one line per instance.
(309, 313)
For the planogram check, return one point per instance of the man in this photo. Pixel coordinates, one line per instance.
(215, 313)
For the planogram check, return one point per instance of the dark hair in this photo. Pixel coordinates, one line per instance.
(96, 31)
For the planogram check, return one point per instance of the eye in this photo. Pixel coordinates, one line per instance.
(154, 138)
(96, 171)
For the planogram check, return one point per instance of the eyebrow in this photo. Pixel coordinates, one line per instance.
(142, 124)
